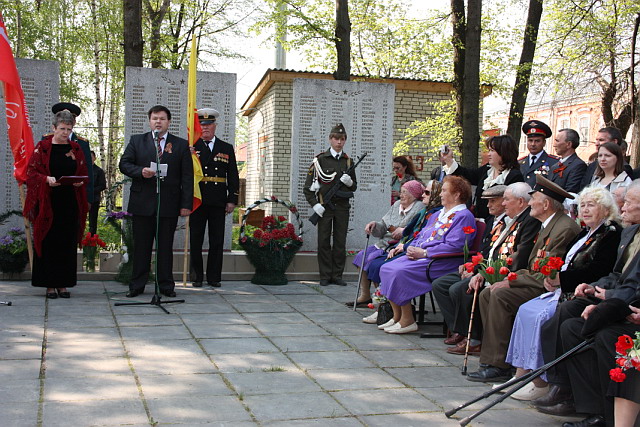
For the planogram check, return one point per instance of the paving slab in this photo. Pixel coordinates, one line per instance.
(271, 407)
(312, 343)
(183, 385)
(22, 414)
(67, 389)
(354, 379)
(252, 362)
(238, 346)
(291, 330)
(98, 366)
(90, 413)
(330, 360)
(389, 401)
(197, 409)
(292, 381)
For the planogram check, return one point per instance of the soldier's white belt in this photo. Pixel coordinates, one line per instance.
(214, 179)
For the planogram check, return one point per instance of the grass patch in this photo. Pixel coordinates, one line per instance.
(273, 369)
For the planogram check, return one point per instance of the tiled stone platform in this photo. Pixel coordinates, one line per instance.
(241, 355)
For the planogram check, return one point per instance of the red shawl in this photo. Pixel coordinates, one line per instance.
(37, 206)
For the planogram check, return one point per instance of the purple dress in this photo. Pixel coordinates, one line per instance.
(372, 253)
(403, 279)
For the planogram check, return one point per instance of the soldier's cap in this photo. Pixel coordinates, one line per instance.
(61, 106)
(550, 189)
(536, 127)
(494, 192)
(208, 115)
(339, 129)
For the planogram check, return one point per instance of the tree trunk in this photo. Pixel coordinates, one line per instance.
(471, 98)
(343, 40)
(156, 17)
(523, 75)
(97, 81)
(458, 39)
(635, 97)
(133, 45)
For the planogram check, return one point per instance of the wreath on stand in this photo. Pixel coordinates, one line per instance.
(272, 246)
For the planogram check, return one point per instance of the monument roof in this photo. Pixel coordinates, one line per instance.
(273, 75)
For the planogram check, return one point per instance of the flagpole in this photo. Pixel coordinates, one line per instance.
(27, 227)
(185, 257)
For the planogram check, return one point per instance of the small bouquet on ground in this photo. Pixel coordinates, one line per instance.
(548, 267)
(492, 270)
(377, 299)
(13, 251)
(90, 245)
(627, 357)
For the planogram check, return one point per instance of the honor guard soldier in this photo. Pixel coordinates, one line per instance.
(327, 170)
(82, 142)
(219, 188)
(538, 161)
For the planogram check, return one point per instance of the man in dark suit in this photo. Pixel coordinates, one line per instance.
(570, 169)
(176, 197)
(219, 189)
(538, 161)
(622, 283)
(499, 305)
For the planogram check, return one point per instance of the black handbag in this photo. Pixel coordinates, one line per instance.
(385, 313)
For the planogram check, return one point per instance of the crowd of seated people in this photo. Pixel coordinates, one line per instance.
(524, 323)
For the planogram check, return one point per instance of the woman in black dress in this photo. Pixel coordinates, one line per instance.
(57, 210)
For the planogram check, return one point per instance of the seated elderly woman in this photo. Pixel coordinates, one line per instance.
(388, 229)
(590, 256)
(404, 278)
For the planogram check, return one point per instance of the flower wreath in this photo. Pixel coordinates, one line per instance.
(273, 199)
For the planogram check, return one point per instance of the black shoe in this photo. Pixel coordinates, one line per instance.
(168, 293)
(52, 295)
(490, 374)
(324, 282)
(340, 282)
(65, 294)
(590, 421)
(134, 293)
(359, 304)
(560, 409)
(197, 284)
(215, 284)
(556, 394)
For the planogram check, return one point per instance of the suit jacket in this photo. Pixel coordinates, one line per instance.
(595, 257)
(221, 163)
(542, 164)
(553, 241)
(477, 176)
(176, 189)
(518, 242)
(571, 177)
(623, 284)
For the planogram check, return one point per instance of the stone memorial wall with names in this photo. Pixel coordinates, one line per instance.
(366, 110)
(41, 86)
(147, 87)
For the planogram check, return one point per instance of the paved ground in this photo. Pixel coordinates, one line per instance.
(242, 355)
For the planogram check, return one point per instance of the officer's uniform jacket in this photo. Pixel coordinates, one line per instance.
(221, 182)
(542, 165)
(329, 165)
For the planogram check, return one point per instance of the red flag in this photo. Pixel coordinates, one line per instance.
(18, 125)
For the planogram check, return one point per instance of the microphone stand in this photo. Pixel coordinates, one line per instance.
(157, 297)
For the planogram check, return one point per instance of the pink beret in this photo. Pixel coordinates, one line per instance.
(415, 188)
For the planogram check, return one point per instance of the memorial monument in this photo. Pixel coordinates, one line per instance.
(146, 87)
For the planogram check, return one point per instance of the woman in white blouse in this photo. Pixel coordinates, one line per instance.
(610, 170)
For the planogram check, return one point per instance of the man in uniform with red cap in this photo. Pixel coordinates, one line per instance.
(538, 161)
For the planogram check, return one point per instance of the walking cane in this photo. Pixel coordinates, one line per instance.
(466, 351)
(521, 381)
(364, 257)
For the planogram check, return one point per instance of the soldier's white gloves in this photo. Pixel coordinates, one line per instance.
(346, 180)
(319, 209)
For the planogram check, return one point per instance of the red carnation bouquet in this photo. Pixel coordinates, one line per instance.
(627, 357)
(492, 270)
(90, 245)
(548, 267)
(467, 231)
(275, 232)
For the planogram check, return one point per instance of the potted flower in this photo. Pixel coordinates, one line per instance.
(13, 251)
(272, 246)
(90, 245)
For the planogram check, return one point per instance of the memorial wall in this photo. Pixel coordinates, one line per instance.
(147, 87)
(41, 86)
(366, 110)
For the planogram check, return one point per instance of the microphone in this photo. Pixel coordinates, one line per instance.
(156, 135)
